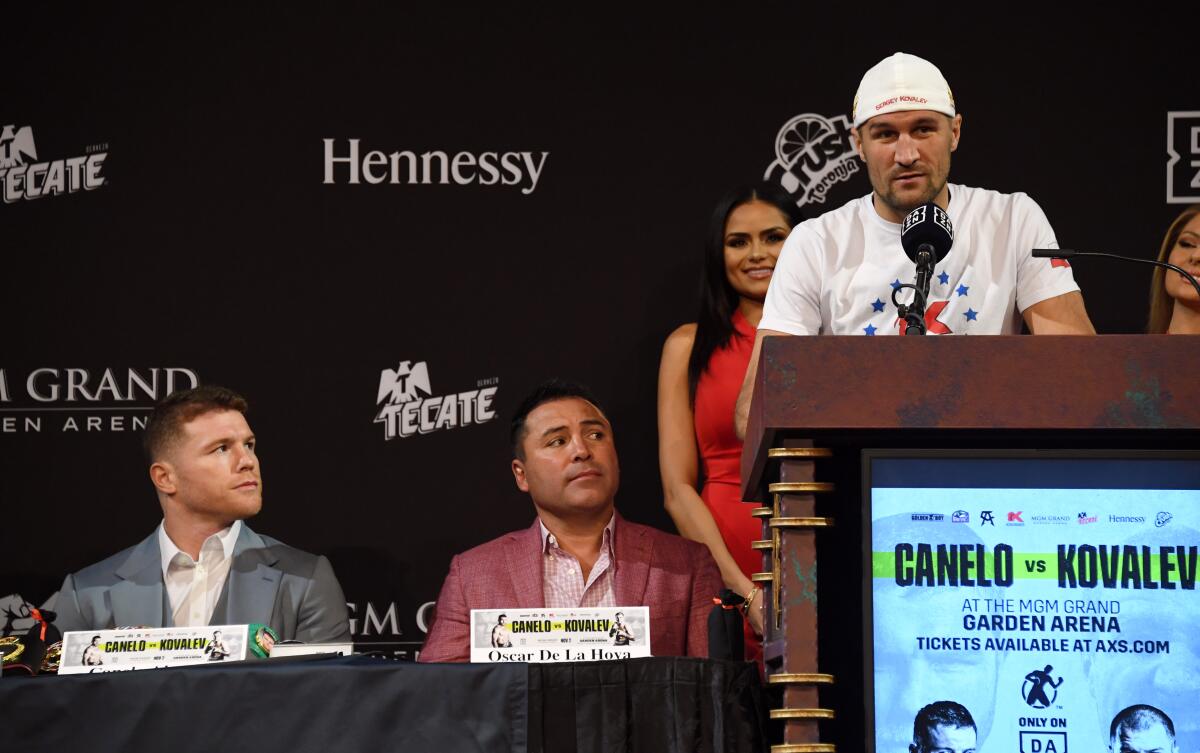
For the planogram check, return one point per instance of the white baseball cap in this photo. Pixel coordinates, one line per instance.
(901, 82)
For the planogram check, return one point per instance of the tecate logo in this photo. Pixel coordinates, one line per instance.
(23, 177)
(407, 406)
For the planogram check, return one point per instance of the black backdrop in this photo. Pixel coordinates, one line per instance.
(214, 244)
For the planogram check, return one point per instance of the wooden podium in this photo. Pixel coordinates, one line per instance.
(819, 401)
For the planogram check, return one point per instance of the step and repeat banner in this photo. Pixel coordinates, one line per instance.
(385, 229)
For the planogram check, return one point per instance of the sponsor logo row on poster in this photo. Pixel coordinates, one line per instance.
(1017, 518)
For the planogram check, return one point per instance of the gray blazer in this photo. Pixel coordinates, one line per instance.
(269, 582)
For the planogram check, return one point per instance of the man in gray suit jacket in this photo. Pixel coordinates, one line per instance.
(203, 565)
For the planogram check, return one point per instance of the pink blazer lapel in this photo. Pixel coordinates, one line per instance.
(523, 560)
(632, 551)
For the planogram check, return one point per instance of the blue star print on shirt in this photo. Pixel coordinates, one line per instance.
(877, 305)
(869, 329)
(971, 314)
(962, 290)
(943, 278)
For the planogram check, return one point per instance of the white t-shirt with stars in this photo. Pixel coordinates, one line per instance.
(836, 272)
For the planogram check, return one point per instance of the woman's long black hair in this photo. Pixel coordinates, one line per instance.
(718, 299)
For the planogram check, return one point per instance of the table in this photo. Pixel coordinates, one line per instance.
(657, 704)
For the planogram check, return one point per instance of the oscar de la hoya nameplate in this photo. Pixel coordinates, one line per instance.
(86, 651)
(559, 635)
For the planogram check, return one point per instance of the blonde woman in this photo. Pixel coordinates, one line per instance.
(1174, 303)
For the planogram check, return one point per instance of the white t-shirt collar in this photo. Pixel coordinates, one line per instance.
(167, 549)
(895, 226)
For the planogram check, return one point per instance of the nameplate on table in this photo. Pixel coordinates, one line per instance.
(559, 635)
(86, 651)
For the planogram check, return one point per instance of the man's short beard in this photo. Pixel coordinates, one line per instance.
(890, 200)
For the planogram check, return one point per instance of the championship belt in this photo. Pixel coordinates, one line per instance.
(11, 647)
(52, 658)
(262, 639)
(25, 653)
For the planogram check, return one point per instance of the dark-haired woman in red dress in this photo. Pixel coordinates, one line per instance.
(703, 364)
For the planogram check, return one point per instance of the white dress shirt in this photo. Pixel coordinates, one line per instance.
(194, 587)
(563, 585)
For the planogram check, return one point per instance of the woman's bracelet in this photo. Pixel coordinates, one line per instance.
(749, 599)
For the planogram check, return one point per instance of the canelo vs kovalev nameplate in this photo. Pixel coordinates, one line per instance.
(86, 651)
(559, 635)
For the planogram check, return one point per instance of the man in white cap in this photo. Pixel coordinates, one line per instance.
(836, 272)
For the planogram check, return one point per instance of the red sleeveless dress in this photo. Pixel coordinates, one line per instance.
(721, 454)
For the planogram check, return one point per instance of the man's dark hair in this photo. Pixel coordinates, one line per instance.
(1139, 717)
(939, 714)
(173, 411)
(548, 391)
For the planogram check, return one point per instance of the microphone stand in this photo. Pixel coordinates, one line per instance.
(1066, 253)
(914, 313)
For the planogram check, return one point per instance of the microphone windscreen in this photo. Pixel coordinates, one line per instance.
(929, 225)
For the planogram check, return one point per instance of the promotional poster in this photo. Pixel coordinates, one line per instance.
(87, 651)
(559, 635)
(1050, 602)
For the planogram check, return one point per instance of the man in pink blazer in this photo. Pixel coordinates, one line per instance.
(579, 553)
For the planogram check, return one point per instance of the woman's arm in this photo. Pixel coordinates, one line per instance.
(678, 462)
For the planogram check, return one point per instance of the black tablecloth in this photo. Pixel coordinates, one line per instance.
(659, 704)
